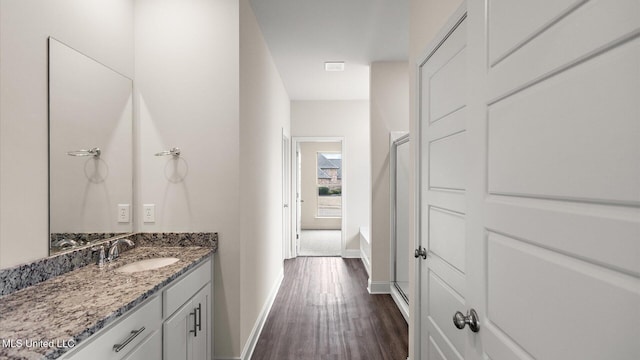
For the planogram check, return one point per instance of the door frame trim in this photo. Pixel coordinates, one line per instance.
(295, 142)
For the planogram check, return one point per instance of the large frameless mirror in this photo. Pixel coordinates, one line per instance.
(400, 214)
(90, 149)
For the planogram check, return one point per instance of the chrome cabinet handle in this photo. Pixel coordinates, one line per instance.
(134, 333)
(195, 323)
(197, 320)
(471, 319)
(199, 317)
(420, 251)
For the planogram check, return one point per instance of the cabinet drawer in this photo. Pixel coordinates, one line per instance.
(185, 288)
(101, 347)
(150, 349)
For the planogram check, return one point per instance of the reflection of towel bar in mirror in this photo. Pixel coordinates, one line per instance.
(173, 152)
(91, 152)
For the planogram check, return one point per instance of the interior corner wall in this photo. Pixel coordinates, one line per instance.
(425, 21)
(187, 95)
(348, 119)
(103, 32)
(389, 112)
(264, 116)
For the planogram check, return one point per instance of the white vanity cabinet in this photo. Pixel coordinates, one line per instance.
(187, 332)
(150, 348)
(130, 333)
(173, 324)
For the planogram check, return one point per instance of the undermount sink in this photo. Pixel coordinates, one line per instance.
(147, 264)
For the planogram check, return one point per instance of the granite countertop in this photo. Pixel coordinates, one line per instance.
(75, 305)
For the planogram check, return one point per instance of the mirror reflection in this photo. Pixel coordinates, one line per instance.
(90, 149)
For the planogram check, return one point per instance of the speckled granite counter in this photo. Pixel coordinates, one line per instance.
(77, 304)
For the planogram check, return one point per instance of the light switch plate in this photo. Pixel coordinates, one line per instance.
(124, 213)
(149, 213)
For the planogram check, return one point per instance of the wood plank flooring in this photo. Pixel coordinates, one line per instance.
(323, 311)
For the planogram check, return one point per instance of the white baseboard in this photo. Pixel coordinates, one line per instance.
(366, 262)
(227, 358)
(378, 287)
(402, 305)
(250, 345)
(351, 253)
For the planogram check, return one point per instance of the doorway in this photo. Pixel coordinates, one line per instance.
(528, 202)
(319, 187)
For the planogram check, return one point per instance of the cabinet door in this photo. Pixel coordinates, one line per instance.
(202, 339)
(151, 348)
(187, 332)
(176, 333)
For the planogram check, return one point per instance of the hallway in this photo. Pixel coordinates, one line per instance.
(320, 243)
(323, 311)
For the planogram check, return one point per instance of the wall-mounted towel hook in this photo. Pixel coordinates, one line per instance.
(173, 152)
(82, 152)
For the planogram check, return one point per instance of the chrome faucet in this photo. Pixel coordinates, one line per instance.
(100, 259)
(114, 252)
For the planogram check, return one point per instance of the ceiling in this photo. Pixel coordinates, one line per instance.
(303, 34)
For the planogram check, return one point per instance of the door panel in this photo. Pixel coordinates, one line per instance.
(535, 313)
(585, 106)
(443, 161)
(553, 192)
(578, 229)
(447, 161)
(596, 25)
(447, 86)
(447, 236)
(434, 351)
(513, 22)
(444, 301)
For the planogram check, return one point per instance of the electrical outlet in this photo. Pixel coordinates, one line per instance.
(149, 213)
(124, 213)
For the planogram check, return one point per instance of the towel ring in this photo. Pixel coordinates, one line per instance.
(82, 152)
(173, 152)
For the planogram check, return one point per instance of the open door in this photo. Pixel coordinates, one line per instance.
(530, 183)
(286, 196)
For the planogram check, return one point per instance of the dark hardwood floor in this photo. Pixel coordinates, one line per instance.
(323, 311)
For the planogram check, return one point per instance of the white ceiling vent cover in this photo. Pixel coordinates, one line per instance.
(334, 66)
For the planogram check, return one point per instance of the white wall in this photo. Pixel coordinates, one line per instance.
(187, 95)
(350, 120)
(389, 112)
(426, 19)
(103, 32)
(264, 113)
(309, 184)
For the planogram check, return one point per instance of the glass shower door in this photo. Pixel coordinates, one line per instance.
(400, 210)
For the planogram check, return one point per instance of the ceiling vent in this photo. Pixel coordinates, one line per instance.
(334, 66)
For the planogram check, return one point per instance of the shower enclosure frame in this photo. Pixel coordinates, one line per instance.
(400, 297)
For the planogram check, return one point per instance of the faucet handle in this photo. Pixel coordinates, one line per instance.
(101, 255)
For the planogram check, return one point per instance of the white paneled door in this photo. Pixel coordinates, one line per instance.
(443, 139)
(530, 201)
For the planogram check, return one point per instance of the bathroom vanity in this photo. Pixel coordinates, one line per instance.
(173, 324)
(104, 313)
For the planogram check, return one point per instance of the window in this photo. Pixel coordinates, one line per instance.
(329, 182)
